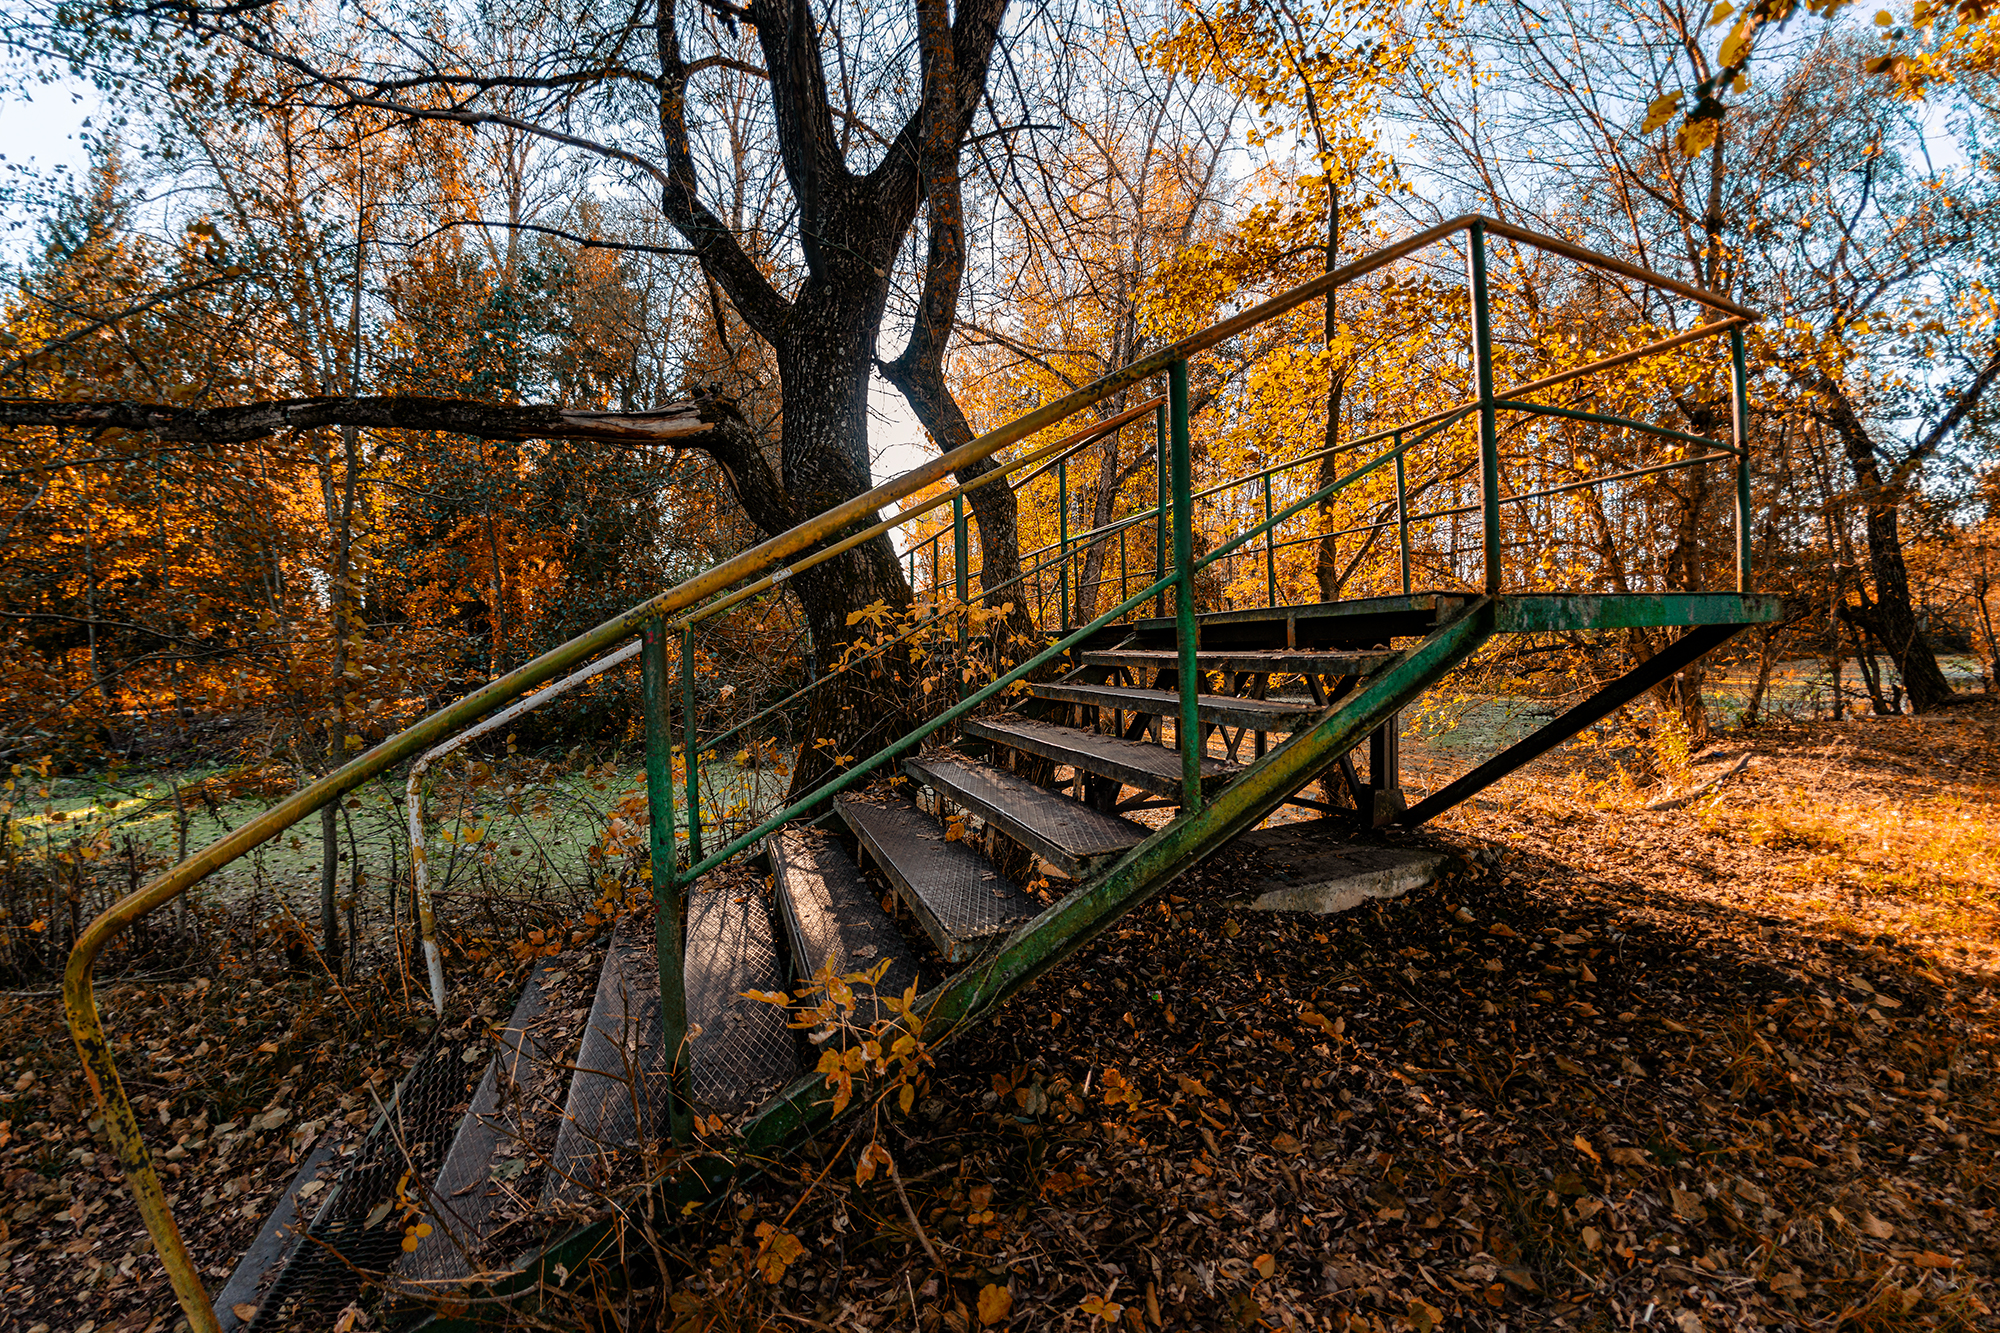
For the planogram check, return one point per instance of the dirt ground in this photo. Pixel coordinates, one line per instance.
(1728, 1064)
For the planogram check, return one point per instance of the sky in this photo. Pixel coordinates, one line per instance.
(39, 134)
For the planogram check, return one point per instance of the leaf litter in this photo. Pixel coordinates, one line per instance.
(1624, 1069)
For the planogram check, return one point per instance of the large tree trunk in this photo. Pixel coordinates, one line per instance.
(995, 513)
(1892, 617)
(825, 460)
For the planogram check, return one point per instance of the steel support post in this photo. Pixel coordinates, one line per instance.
(1062, 537)
(1489, 429)
(1403, 512)
(1188, 728)
(1385, 771)
(961, 573)
(1739, 383)
(653, 687)
(1270, 550)
(691, 746)
(1160, 510)
(1124, 575)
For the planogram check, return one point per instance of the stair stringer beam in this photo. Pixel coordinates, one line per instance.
(953, 1006)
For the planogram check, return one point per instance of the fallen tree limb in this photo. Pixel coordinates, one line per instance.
(692, 424)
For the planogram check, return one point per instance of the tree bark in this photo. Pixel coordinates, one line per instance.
(689, 424)
(1891, 616)
(1327, 572)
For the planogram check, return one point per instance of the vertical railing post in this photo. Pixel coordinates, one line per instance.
(653, 687)
(1270, 549)
(1403, 512)
(1160, 507)
(1188, 729)
(1062, 535)
(1739, 383)
(1489, 430)
(961, 572)
(690, 747)
(1124, 575)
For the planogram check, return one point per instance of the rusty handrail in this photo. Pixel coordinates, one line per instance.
(121, 1123)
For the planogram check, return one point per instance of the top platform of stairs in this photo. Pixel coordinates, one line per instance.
(1365, 621)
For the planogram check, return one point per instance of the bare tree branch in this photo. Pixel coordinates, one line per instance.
(702, 423)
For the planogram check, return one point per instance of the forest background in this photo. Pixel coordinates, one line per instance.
(242, 234)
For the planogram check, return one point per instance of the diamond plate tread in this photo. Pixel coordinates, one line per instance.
(1152, 768)
(521, 1078)
(1257, 714)
(1258, 661)
(1064, 832)
(831, 915)
(745, 1051)
(963, 903)
(619, 1083)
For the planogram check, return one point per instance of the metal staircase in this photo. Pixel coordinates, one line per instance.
(1113, 757)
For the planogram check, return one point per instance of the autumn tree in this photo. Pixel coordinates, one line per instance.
(860, 141)
(1809, 199)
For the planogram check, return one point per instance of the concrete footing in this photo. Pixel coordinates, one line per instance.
(1312, 867)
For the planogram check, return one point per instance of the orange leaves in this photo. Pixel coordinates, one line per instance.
(873, 1156)
(1331, 1027)
(1101, 1307)
(890, 1052)
(1659, 111)
(1117, 1090)
(777, 1250)
(996, 1304)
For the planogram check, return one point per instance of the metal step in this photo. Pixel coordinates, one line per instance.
(1150, 768)
(746, 1049)
(830, 917)
(618, 1091)
(521, 1083)
(343, 1251)
(1355, 622)
(1227, 709)
(1256, 661)
(1066, 833)
(962, 902)
(742, 1050)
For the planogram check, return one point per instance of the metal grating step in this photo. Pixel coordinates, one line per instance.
(1066, 833)
(342, 1253)
(962, 902)
(522, 1082)
(1150, 768)
(1355, 622)
(830, 916)
(746, 1050)
(1229, 710)
(1256, 661)
(618, 1089)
